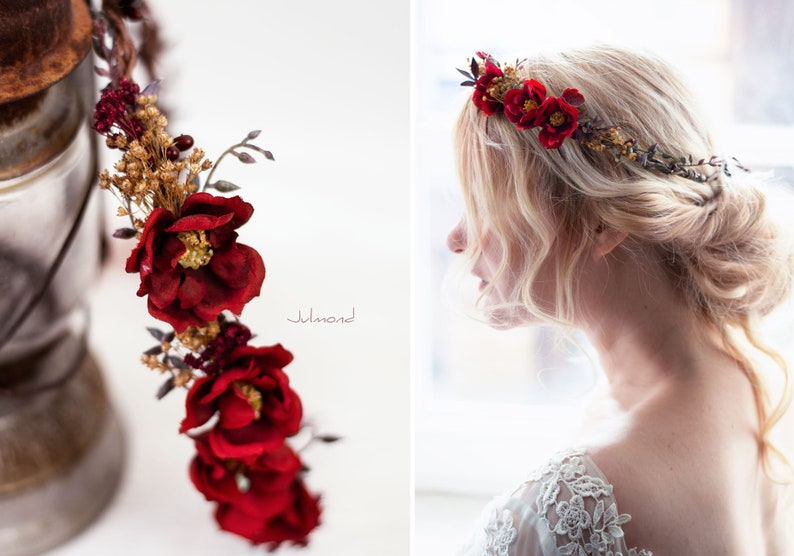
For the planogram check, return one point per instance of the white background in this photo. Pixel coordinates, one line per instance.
(328, 83)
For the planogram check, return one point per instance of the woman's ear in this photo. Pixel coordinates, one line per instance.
(605, 240)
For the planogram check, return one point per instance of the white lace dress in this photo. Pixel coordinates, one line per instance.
(565, 508)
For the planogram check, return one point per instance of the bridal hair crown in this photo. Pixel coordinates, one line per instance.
(526, 104)
(240, 411)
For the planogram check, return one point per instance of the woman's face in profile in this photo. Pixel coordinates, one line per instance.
(486, 265)
(502, 289)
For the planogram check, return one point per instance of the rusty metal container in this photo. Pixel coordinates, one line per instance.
(61, 449)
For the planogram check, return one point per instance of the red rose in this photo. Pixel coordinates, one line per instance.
(572, 97)
(256, 407)
(558, 121)
(191, 266)
(262, 499)
(258, 485)
(298, 518)
(521, 105)
(482, 98)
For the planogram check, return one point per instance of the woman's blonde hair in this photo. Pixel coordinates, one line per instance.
(714, 239)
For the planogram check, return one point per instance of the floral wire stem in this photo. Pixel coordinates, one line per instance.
(315, 436)
(226, 186)
(240, 410)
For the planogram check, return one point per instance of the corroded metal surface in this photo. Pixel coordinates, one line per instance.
(41, 42)
(61, 448)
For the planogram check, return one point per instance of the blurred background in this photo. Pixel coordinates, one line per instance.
(491, 405)
(328, 85)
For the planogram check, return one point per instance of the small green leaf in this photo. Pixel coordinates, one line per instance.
(266, 154)
(224, 186)
(125, 233)
(465, 74)
(244, 157)
(328, 438)
(176, 362)
(166, 387)
(157, 334)
(151, 88)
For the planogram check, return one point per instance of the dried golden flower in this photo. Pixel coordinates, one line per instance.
(195, 338)
(183, 377)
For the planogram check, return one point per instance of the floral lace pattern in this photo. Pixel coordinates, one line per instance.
(572, 507)
(580, 531)
(500, 534)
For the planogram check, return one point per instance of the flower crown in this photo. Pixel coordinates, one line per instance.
(240, 408)
(526, 104)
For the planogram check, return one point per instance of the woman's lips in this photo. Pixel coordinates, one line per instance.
(483, 285)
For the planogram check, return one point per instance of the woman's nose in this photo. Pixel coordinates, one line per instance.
(456, 240)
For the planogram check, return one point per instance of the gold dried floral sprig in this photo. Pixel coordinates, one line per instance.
(145, 176)
(173, 351)
(611, 139)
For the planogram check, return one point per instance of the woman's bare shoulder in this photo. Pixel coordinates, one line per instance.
(671, 481)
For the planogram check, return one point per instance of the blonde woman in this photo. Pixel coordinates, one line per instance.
(583, 207)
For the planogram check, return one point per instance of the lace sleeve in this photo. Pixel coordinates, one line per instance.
(509, 528)
(566, 508)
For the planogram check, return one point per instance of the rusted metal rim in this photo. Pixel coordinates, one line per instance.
(40, 43)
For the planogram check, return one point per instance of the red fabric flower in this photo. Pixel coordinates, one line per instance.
(298, 518)
(482, 98)
(521, 105)
(245, 482)
(572, 97)
(256, 407)
(262, 499)
(190, 286)
(558, 120)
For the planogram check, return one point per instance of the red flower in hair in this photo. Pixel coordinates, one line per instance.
(558, 118)
(482, 98)
(256, 407)
(521, 105)
(191, 266)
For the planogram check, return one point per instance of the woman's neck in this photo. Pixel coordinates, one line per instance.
(646, 336)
